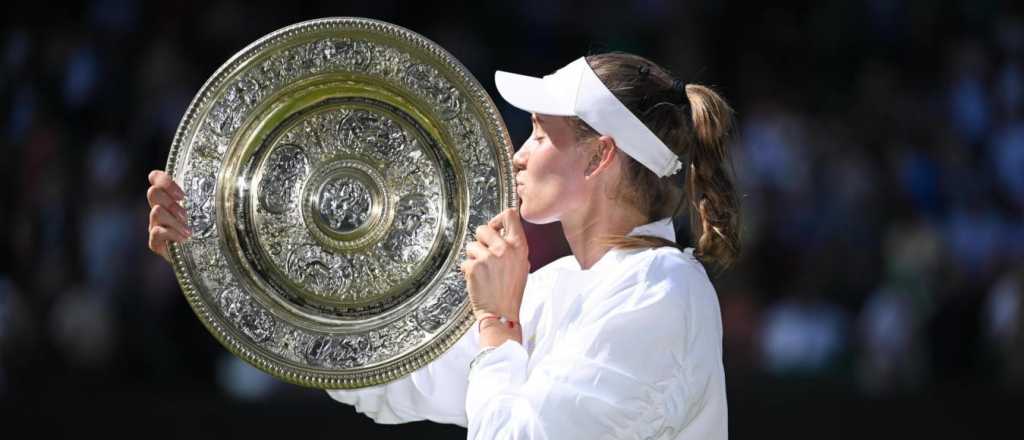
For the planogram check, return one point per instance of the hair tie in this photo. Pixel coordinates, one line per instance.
(641, 75)
(679, 89)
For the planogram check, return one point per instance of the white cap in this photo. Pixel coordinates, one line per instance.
(575, 90)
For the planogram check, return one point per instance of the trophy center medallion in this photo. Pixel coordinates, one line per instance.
(344, 204)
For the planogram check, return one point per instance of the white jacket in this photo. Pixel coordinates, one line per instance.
(628, 349)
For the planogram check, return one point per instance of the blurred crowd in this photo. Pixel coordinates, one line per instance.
(880, 154)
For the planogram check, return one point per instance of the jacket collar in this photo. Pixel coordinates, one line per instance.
(663, 228)
(660, 228)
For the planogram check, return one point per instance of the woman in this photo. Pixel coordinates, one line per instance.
(621, 339)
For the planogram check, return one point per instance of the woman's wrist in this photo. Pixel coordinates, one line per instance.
(495, 330)
(481, 315)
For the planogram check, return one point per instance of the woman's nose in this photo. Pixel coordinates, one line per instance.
(519, 159)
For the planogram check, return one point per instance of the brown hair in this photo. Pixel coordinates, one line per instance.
(695, 123)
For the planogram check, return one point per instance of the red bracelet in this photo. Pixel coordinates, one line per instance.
(503, 320)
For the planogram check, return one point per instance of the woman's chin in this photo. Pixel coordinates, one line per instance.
(525, 212)
(532, 216)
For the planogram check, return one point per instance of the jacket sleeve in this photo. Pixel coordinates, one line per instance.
(625, 372)
(435, 392)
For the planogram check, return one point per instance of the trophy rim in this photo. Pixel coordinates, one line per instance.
(491, 124)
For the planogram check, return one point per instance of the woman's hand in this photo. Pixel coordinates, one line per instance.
(496, 267)
(167, 219)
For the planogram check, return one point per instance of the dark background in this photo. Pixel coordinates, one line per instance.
(880, 154)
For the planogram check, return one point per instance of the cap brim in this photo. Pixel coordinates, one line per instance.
(530, 94)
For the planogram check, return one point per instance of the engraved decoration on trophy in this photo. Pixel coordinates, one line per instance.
(333, 172)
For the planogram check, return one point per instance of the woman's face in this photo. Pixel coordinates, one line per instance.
(550, 171)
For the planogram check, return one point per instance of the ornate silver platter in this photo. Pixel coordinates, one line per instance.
(333, 172)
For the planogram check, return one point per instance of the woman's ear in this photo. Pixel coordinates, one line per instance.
(603, 158)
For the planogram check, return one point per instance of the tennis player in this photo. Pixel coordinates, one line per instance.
(623, 338)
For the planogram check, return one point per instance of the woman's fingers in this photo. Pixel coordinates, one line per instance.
(511, 226)
(476, 251)
(159, 236)
(167, 218)
(166, 193)
(160, 216)
(158, 197)
(490, 238)
(158, 247)
(163, 181)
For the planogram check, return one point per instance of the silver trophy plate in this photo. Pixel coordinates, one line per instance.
(333, 172)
